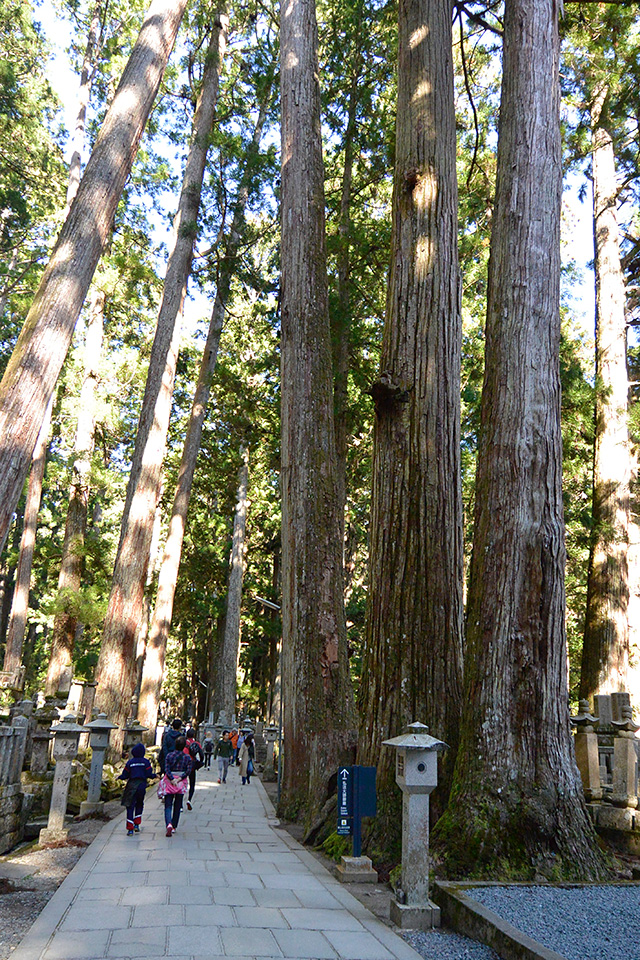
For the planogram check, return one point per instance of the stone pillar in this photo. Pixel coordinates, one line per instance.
(65, 750)
(270, 735)
(25, 708)
(21, 725)
(619, 701)
(586, 748)
(74, 698)
(602, 707)
(42, 739)
(625, 761)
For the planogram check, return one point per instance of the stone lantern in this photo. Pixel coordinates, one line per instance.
(100, 730)
(417, 777)
(133, 733)
(42, 736)
(66, 736)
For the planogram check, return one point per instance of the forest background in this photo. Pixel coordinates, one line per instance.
(357, 67)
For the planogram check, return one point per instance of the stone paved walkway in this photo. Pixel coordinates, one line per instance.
(230, 883)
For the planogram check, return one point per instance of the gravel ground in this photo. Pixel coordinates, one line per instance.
(579, 923)
(447, 945)
(29, 877)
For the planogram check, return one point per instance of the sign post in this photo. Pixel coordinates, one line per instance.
(356, 799)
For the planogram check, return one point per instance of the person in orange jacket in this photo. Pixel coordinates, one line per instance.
(234, 744)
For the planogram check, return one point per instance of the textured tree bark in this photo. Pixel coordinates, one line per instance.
(341, 317)
(318, 708)
(516, 804)
(115, 672)
(226, 665)
(413, 639)
(70, 577)
(153, 668)
(32, 372)
(20, 605)
(605, 653)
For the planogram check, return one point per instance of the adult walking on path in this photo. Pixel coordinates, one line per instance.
(224, 753)
(236, 885)
(246, 758)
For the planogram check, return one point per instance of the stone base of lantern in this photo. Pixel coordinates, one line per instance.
(91, 806)
(356, 870)
(55, 835)
(411, 916)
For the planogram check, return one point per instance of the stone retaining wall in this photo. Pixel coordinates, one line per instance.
(11, 816)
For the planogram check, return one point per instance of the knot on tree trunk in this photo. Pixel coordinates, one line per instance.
(386, 394)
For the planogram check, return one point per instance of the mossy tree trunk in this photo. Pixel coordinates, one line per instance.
(516, 806)
(413, 643)
(318, 707)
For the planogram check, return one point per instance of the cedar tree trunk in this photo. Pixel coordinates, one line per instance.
(318, 706)
(153, 668)
(226, 665)
(516, 805)
(84, 93)
(32, 372)
(413, 640)
(70, 577)
(605, 653)
(115, 672)
(20, 604)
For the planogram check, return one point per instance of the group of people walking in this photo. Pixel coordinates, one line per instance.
(181, 756)
(232, 749)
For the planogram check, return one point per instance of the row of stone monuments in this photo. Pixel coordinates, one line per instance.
(607, 751)
(36, 736)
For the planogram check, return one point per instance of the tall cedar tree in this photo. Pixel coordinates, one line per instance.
(413, 642)
(605, 652)
(116, 673)
(71, 565)
(35, 364)
(20, 606)
(153, 670)
(318, 707)
(516, 802)
(225, 666)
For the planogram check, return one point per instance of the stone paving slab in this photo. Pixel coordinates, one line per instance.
(229, 884)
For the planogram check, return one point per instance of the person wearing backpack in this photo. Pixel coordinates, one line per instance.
(194, 751)
(207, 746)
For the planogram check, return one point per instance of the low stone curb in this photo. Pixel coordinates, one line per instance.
(467, 916)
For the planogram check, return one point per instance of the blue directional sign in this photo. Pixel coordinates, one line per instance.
(356, 799)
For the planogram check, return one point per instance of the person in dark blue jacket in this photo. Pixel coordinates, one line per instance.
(137, 770)
(169, 738)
